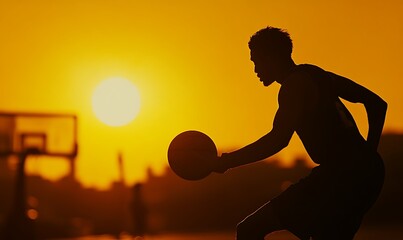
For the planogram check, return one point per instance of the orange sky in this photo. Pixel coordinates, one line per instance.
(190, 62)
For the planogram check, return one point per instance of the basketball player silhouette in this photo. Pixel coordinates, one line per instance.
(330, 203)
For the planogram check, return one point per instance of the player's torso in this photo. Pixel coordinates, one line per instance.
(327, 129)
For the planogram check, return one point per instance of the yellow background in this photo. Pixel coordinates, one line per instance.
(190, 62)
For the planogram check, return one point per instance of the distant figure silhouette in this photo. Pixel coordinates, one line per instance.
(139, 212)
(331, 201)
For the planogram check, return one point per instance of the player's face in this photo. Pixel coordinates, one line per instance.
(265, 68)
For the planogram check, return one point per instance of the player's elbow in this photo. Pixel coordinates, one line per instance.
(282, 138)
(384, 105)
(377, 104)
(275, 141)
(283, 143)
(381, 106)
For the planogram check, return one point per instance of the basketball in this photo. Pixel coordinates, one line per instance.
(190, 155)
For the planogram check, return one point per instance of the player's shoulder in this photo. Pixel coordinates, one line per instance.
(300, 81)
(301, 77)
(306, 72)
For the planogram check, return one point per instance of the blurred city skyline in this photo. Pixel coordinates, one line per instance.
(170, 205)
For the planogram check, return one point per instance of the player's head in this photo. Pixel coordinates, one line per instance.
(271, 41)
(271, 50)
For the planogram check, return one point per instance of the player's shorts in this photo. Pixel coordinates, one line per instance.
(331, 201)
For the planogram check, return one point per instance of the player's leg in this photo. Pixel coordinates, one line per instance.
(359, 193)
(291, 211)
(333, 237)
(257, 225)
(336, 234)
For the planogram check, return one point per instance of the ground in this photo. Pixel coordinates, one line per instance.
(367, 233)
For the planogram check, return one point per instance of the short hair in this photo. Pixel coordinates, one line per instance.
(271, 41)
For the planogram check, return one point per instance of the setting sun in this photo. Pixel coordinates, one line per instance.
(116, 101)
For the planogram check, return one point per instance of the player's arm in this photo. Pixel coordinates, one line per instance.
(374, 105)
(292, 98)
(268, 145)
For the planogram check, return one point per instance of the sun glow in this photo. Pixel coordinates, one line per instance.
(116, 101)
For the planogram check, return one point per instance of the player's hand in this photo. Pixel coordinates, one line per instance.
(220, 165)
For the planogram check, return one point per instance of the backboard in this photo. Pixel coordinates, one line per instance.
(51, 134)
